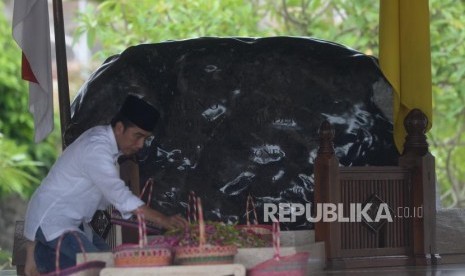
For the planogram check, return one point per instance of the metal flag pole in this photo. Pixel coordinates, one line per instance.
(62, 68)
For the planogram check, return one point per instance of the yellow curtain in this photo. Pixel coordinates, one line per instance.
(405, 59)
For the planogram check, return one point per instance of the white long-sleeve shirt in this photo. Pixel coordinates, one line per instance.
(85, 178)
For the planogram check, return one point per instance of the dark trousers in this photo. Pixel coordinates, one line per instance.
(45, 251)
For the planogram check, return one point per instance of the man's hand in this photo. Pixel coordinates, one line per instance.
(174, 222)
(166, 222)
(30, 268)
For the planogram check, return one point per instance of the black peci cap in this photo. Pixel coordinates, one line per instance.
(140, 113)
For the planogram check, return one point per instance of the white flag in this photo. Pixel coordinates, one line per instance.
(31, 30)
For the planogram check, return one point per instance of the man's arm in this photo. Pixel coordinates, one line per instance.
(30, 268)
(166, 222)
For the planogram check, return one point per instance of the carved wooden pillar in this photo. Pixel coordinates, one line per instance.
(417, 157)
(326, 178)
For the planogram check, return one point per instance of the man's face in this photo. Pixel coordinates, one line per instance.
(131, 139)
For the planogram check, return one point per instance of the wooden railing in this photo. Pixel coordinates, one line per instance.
(404, 195)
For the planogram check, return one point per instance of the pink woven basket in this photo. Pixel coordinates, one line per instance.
(142, 254)
(262, 230)
(292, 265)
(87, 268)
(132, 222)
(204, 253)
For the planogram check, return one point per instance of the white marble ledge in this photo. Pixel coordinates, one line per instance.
(188, 270)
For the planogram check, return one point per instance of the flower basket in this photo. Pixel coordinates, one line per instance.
(87, 268)
(142, 254)
(204, 253)
(262, 230)
(292, 265)
(132, 222)
(216, 233)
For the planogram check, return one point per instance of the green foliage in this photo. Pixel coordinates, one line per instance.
(5, 259)
(15, 120)
(17, 169)
(130, 22)
(351, 23)
(448, 133)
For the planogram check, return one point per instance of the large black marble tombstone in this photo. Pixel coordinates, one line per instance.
(241, 116)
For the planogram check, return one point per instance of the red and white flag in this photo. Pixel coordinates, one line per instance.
(31, 30)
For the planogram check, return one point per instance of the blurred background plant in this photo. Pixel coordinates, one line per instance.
(5, 259)
(19, 172)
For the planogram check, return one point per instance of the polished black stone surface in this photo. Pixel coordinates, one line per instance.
(241, 116)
